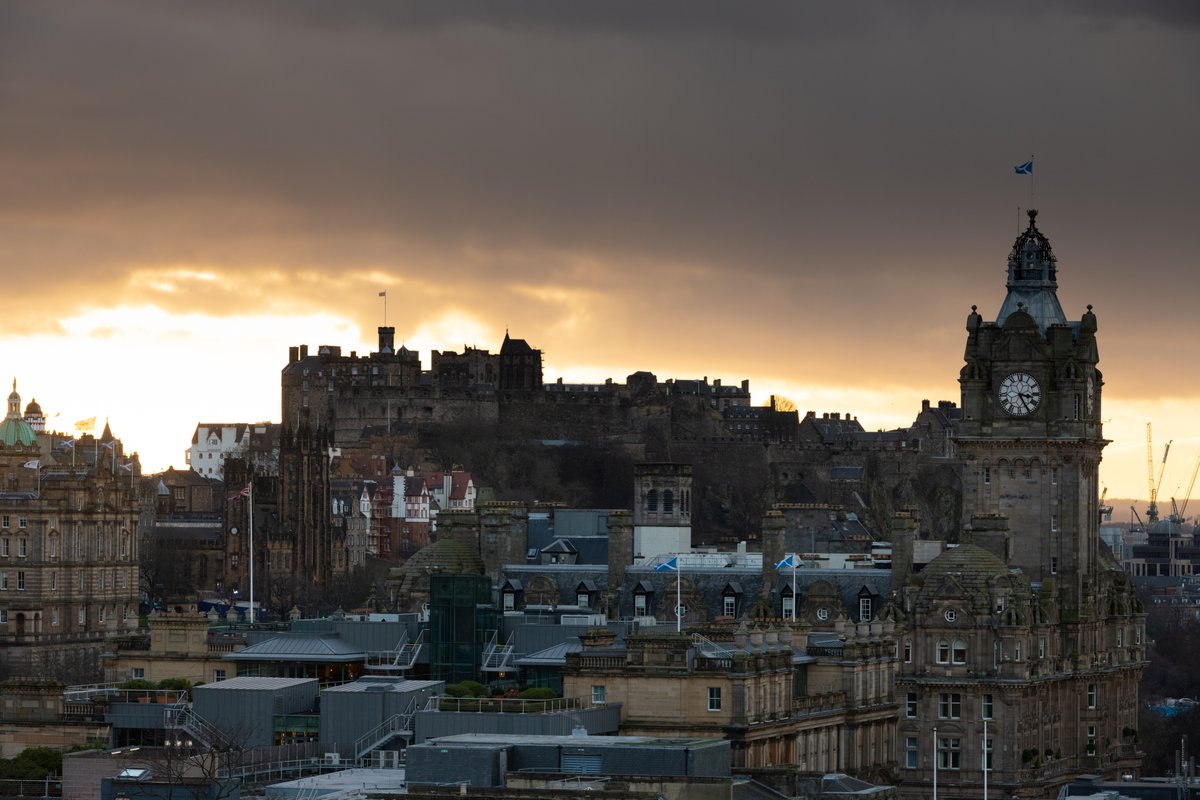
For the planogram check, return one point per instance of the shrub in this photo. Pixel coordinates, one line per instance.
(454, 690)
(474, 688)
(177, 684)
(138, 683)
(539, 693)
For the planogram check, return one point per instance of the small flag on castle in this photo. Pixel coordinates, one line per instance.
(85, 424)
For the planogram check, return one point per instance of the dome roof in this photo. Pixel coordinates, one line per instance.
(970, 565)
(16, 432)
(33, 408)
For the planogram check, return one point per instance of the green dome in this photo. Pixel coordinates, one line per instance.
(16, 431)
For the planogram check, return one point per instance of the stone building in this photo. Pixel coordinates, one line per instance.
(68, 548)
(1024, 627)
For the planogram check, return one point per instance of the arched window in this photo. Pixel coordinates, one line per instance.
(959, 652)
(652, 500)
(942, 655)
(668, 502)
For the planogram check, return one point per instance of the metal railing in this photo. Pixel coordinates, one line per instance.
(396, 725)
(498, 657)
(402, 658)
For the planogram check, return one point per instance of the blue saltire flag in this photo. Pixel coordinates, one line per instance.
(1024, 169)
(787, 563)
(668, 566)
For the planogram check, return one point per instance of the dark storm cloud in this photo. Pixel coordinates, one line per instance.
(825, 159)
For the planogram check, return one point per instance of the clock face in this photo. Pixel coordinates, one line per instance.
(1020, 394)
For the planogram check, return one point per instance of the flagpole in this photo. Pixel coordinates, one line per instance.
(793, 588)
(250, 527)
(985, 764)
(935, 762)
(1032, 204)
(678, 594)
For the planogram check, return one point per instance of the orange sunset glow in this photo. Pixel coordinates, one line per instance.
(808, 197)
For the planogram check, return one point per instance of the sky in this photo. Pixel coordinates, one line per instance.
(810, 196)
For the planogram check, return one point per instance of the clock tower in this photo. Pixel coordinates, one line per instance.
(1031, 437)
(1022, 642)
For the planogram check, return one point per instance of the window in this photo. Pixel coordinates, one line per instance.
(910, 705)
(910, 752)
(730, 605)
(137, 672)
(951, 615)
(4, 545)
(3, 581)
(908, 651)
(987, 475)
(822, 614)
(80, 582)
(942, 654)
(959, 652)
(668, 502)
(714, 698)
(864, 609)
(4, 521)
(82, 615)
(639, 605)
(1016, 651)
(597, 695)
(1120, 638)
(1137, 635)
(1091, 695)
(949, 705)
(1041, 647)
(789, 607)
(1054, 522)
(22, 522)
(949, 752)
(22, 547)
(100, 615)
(1053, 475)
(987, 754)
(218, 675)
(581, 599)
(652, 500)
(1053, 565)
(54, 581)
(3, 615)
(510, 601)
(986, 707)
(54, 616)
(21, 581)
(1000, 604)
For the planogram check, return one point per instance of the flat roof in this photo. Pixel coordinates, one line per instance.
(245, 683)
(478, 739)
(378, 685)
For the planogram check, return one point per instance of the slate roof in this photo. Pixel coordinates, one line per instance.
(555, 656)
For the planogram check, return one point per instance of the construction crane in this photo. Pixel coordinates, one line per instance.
(1105, 511)
(1152, 510)
(1179, 511)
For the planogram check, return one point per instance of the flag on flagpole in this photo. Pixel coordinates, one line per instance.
(128, 467)
(671, 565)
(67, 444)
(241, 493)
(108, 445)
(85, 424)
(383, 293)
(788, 562)
(1024, 169)
(32, 464)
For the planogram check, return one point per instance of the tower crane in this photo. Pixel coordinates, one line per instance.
(1152, 509)
(1179, 510)
(1105, 511)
